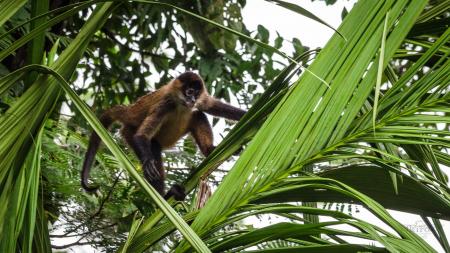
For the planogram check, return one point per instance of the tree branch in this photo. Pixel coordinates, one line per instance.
(84, 233)
(102, 204)
(110, 35)
(77, 243)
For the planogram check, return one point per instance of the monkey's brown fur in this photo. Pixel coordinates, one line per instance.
(158, 120)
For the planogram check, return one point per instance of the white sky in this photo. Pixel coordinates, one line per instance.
(292, 25)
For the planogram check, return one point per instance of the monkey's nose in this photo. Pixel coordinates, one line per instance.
(190, 101)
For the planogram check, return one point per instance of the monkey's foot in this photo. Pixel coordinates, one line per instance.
(177, 191)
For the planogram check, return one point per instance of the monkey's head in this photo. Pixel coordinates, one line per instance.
(191, 86)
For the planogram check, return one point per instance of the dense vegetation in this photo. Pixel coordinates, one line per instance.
(367, 122)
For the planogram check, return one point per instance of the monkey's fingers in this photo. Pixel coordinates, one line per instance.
(154, 176)
(151, 171)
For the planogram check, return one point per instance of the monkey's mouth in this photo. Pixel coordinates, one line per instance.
(189, 101)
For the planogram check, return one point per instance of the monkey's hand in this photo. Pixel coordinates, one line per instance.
(153, 175)
(151, 170)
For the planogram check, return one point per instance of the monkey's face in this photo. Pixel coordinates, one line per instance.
(191, 88)
(191, 94)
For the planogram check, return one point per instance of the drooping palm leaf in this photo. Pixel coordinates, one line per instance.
(373, 181)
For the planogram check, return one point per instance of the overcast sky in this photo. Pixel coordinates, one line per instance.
(292, 25)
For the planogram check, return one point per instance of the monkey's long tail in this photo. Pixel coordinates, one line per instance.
(107, 118)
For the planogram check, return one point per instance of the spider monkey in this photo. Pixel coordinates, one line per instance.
(157, 120)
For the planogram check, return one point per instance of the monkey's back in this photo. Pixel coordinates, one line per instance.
(174, 124)
(138, 111)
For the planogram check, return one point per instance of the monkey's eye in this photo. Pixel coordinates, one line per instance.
(190, 92)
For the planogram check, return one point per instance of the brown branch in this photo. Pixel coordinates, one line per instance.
(77, 243)
(102, 204)
(84, 233)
